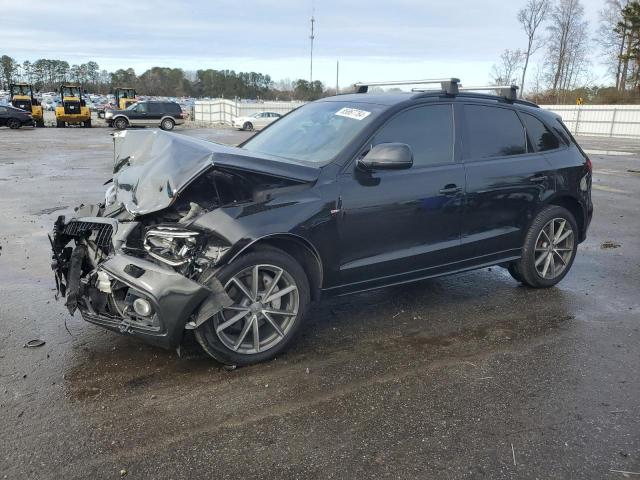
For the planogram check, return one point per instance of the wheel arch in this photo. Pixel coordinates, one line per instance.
(575, 207)
(117, 117)
(299, 248)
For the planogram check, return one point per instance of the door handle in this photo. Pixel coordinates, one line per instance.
(450, 189)
(538, 179)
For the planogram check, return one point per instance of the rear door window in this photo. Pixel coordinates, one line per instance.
(493, 132)
(427, 130)
(540, 136)
(155, 108)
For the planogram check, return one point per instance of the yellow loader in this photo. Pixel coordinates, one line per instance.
(22, 97)
(73, 109)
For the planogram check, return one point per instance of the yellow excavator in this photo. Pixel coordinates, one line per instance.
(124, 97)
(22, 97)
(73, 109)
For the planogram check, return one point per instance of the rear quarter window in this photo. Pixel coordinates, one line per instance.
(173, 108)
(541, 138)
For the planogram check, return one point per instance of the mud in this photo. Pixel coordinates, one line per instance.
(439, 379)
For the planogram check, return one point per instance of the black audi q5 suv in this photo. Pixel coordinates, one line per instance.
(345, 194)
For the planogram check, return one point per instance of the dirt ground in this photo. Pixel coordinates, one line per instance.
(469, 376)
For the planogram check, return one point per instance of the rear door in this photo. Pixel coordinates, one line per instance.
(396, 225)
(507, 181)
(155, 113)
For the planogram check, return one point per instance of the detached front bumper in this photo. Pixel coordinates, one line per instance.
(173, 298)
(105, 288)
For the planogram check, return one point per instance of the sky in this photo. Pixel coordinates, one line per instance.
(374, 40)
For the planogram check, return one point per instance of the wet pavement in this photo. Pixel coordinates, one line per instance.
(469, 376)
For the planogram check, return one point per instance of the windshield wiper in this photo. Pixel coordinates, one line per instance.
(121, 164)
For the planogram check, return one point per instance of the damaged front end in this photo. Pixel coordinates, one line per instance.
(104, 275)
(139, 263)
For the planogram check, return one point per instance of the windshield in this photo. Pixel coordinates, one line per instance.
(70, 91)
(315, 132)
(21, 90)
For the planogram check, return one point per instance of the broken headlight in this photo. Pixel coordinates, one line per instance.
(172, 245)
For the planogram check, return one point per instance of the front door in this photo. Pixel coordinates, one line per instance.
(138, 115)
(507, 181)
(396, 225)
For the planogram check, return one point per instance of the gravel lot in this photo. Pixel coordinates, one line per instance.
(469, 376)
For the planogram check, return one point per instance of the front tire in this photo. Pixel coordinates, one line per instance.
(167, 124)
(549, 248)
(270, 293)
(248, 126)
(121, 123)
(13, 124)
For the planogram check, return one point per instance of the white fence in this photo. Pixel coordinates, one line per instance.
(601, 120)
(221, 110)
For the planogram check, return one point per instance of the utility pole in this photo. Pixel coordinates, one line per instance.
(311, 37)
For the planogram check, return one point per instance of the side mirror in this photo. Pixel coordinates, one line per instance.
(387, 156)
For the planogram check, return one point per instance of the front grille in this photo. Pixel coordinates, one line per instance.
(23, 104)
(72, 108)
(100, 233)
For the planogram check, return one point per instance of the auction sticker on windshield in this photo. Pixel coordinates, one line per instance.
(354, 113)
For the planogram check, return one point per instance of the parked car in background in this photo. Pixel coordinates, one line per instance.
(15, 118)
(146, 114)
(255, 121)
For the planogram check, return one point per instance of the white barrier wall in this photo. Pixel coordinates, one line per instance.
(602, 120)
(221, 110)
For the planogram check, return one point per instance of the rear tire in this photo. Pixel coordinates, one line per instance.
(120, 123)
(167, 124)
(87, 124)
(40, 123)
(60, 124)
(235, 343)
(248, 126)
(13, 124)
(549, 248)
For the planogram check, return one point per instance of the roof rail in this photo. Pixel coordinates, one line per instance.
(510, 92)
(448, 85)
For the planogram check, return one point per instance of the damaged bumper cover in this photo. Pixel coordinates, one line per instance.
(126, 293)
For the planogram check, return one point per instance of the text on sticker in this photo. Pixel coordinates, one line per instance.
(354, 113)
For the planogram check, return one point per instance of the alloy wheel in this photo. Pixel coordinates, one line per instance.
(553, 248)
(266, 304)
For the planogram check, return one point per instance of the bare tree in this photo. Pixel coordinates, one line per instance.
(567, 45)
(531, 17)
(505, 72)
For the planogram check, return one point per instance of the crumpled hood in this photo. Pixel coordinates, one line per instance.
(152, 167)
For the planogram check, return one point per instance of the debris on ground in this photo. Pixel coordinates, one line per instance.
(624, 472)
(35, 343)
(610, 244)
(123, 473)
